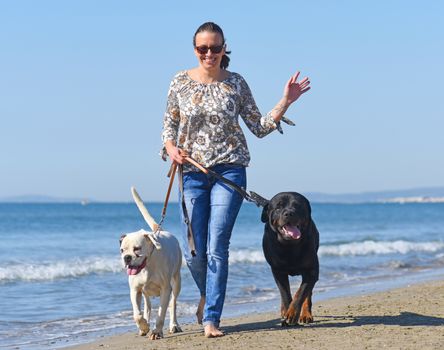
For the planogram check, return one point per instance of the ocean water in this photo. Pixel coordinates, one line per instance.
(62, 283)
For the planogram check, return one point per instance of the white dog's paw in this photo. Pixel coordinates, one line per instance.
(144, 327)
(175, 329)
(156, 335)
(144, 332)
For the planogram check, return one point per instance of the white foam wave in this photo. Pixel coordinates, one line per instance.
(35, 272)
(377, 248)
(246, 256)
(81, 267)
(348, 249)
(62, 269)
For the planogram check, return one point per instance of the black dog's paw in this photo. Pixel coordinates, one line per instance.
(284, 323)
(306, 318)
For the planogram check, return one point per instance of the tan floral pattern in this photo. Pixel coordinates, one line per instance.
(203, 119)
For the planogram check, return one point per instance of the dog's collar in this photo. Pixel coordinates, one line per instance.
(134, 270)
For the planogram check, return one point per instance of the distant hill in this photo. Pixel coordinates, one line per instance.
(371, 197)
(315, 197)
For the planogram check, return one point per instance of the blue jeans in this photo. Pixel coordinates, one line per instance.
(212, 209)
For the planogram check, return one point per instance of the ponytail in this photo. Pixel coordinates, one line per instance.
(225, 60)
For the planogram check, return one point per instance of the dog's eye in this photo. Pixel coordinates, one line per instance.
(121, 250)
(137, 249)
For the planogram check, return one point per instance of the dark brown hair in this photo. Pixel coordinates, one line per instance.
(214, 28)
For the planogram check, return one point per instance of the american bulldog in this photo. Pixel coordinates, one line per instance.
(153, 261)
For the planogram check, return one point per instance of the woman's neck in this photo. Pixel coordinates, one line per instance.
(207, 76)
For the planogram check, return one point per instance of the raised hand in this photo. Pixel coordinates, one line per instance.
(294, 89)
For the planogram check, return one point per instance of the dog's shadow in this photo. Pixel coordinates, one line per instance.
(405, 319)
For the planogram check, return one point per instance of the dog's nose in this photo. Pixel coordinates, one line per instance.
(287, 213)
(127, 259)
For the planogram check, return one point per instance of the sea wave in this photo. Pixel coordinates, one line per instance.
(74, 268)
(378, 248)
(243, 256)
(46, 271)
(367, 247)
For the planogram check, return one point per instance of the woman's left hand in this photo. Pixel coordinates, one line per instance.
(294, 89)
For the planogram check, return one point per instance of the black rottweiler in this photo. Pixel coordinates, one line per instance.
(290, 244)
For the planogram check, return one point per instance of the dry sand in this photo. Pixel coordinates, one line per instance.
(405, 318)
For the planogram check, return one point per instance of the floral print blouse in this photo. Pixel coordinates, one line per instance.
(203, 120)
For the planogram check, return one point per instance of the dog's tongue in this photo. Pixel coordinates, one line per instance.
(132, 270)
(292, 231)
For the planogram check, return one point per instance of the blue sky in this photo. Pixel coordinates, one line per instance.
(83, 89)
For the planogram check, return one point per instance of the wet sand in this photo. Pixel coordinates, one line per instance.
(404, 318)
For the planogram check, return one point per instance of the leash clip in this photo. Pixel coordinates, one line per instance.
(257, 199)
(159, 225)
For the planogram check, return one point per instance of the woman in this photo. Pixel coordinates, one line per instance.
(201, 121)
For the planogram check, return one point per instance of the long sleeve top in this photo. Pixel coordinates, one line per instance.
(203, 119)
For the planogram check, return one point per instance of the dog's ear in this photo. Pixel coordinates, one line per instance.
(264, 216)
(121, 239)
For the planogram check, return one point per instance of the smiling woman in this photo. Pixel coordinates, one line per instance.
(202, 121)
(210, 38)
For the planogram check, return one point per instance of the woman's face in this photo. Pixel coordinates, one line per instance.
(206, 44)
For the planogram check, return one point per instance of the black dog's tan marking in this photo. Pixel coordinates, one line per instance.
(290, 244)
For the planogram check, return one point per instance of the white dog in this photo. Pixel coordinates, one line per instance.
(153, 262)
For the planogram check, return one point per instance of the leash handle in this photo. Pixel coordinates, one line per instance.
(197, 165)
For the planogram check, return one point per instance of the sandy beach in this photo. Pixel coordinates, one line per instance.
(406, 318)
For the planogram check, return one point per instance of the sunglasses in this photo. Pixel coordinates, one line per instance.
(214, 49)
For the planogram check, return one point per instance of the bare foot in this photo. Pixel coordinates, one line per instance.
(200, 310)
(211, 331)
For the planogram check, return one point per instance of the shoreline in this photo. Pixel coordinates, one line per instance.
(404, 318)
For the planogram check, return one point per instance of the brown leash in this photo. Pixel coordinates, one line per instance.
(171, 174)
